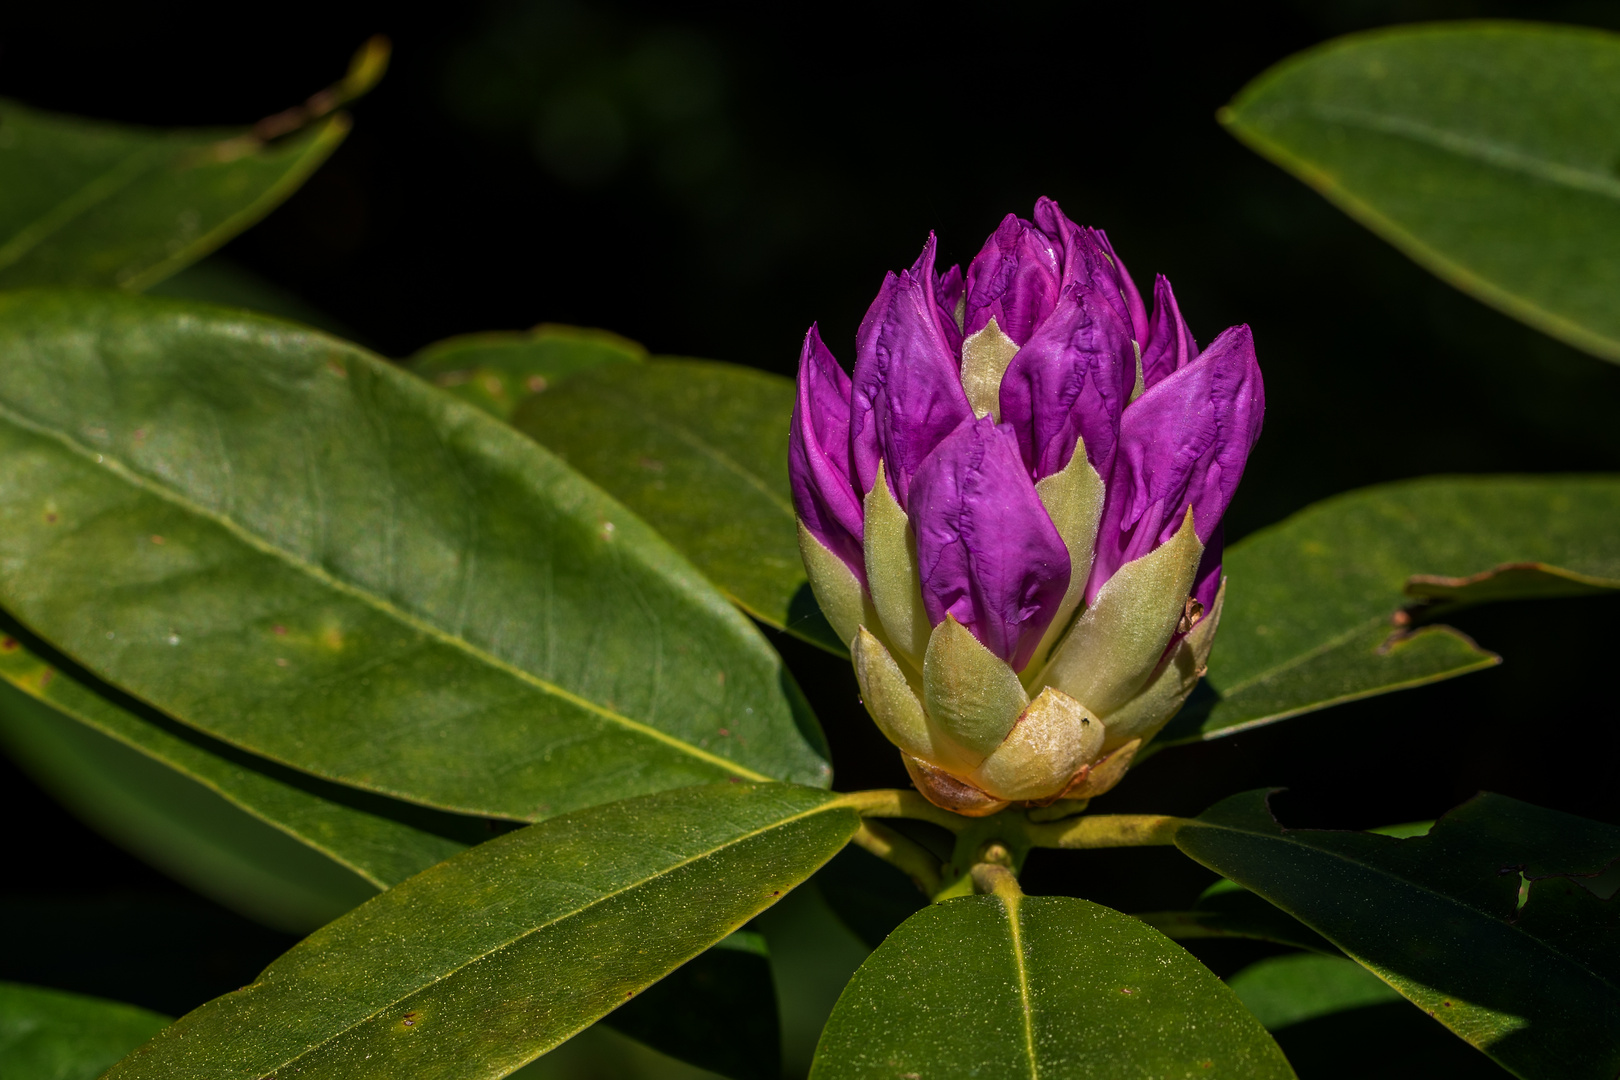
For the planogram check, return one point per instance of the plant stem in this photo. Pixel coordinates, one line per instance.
(1106, 831)
(994, 879)
(903, 852)
(895, 803)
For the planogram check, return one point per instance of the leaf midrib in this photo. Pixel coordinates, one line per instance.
(1497, 155)
(316, 573)
(831, 804)
(1011, 906)
(79, 202)
(1419, 887)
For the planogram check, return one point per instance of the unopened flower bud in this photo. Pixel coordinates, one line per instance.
(1012, 511)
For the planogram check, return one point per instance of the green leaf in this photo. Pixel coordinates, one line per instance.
(49, 1035)
(1228, 910)
(93, 203)
(1285, 990)
(1483, 150)
(296, 547)
(717, 1011)
(1314, 610)
(1043, 987)
(1488, 922)
(699, 449)
(484, 962)
(279, 846)
(499, 371)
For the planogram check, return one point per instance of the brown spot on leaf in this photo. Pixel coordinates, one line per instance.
(651, 464)
(536, 384)
(279, 631)
(50, 517)
(45, 677)
(8, 644)
(156, 539)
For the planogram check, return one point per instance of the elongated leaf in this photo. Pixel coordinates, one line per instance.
(484, 962)
(1485, 151)
(1314, 606)
(1228, 910)
(1530, 976)
(50, 1035)
(499, 371)
(89, 203)
(1285, 990)
(279, 846)
(1049, 987)
(296, 547)
(699, 449)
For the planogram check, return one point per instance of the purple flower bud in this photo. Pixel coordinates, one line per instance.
(1070, 381)
(1022, 617)
(907, 392)
(1169, 346)
(1183, 443)
(818, 455)
(987, 552)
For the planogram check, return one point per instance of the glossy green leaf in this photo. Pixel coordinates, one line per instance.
(1049, 987)
(84, 202)
(717, 1011)
(1486, 151)
(699, 449)
(1285, 990)
(499, 371)
(1228, 910)
(1316, 606)
(484, 962)
(1489, 922)
(50, 1035)
(296, 547)
(279, 846)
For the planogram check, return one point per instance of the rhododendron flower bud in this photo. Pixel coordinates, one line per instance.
(1012, 510)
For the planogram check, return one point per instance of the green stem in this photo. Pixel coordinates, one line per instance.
(1106, 831)
(895, 803)
(994, 879)
(903, 852)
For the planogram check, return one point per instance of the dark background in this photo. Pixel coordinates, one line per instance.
(709, 179)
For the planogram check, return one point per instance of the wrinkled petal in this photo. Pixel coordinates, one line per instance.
(818, 455)
(1015, 279)
(1087, 258)
(1182, 443)
(949, 290)
(1070, 381)
(907, 392)
(987, 553)
(1169, 346)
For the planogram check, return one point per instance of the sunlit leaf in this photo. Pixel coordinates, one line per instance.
(1038, 987)
(1497, 922)
(298, 548)
(1486, 151)
(1329, 605)
(699, 449)
(499, 371)
(83, 202)
(484, 962)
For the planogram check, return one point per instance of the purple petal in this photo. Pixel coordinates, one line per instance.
(818, 455)
(1208, 580)
(907, 393)
(986, 550)
(1070, 380)
(1182, 443)
(1015, 279)
(948, 292)
(1169, 346)
(1088, 258)
(1127, 289)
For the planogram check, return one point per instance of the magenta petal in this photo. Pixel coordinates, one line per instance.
(1169, 346)
(907, 392)
(1015, 279)
(948, 291)
(1087, 259)
(818, 455)
(1182, 443)
(987, 552)
(1122, 281)
(1208, 580)
(1071, 380)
